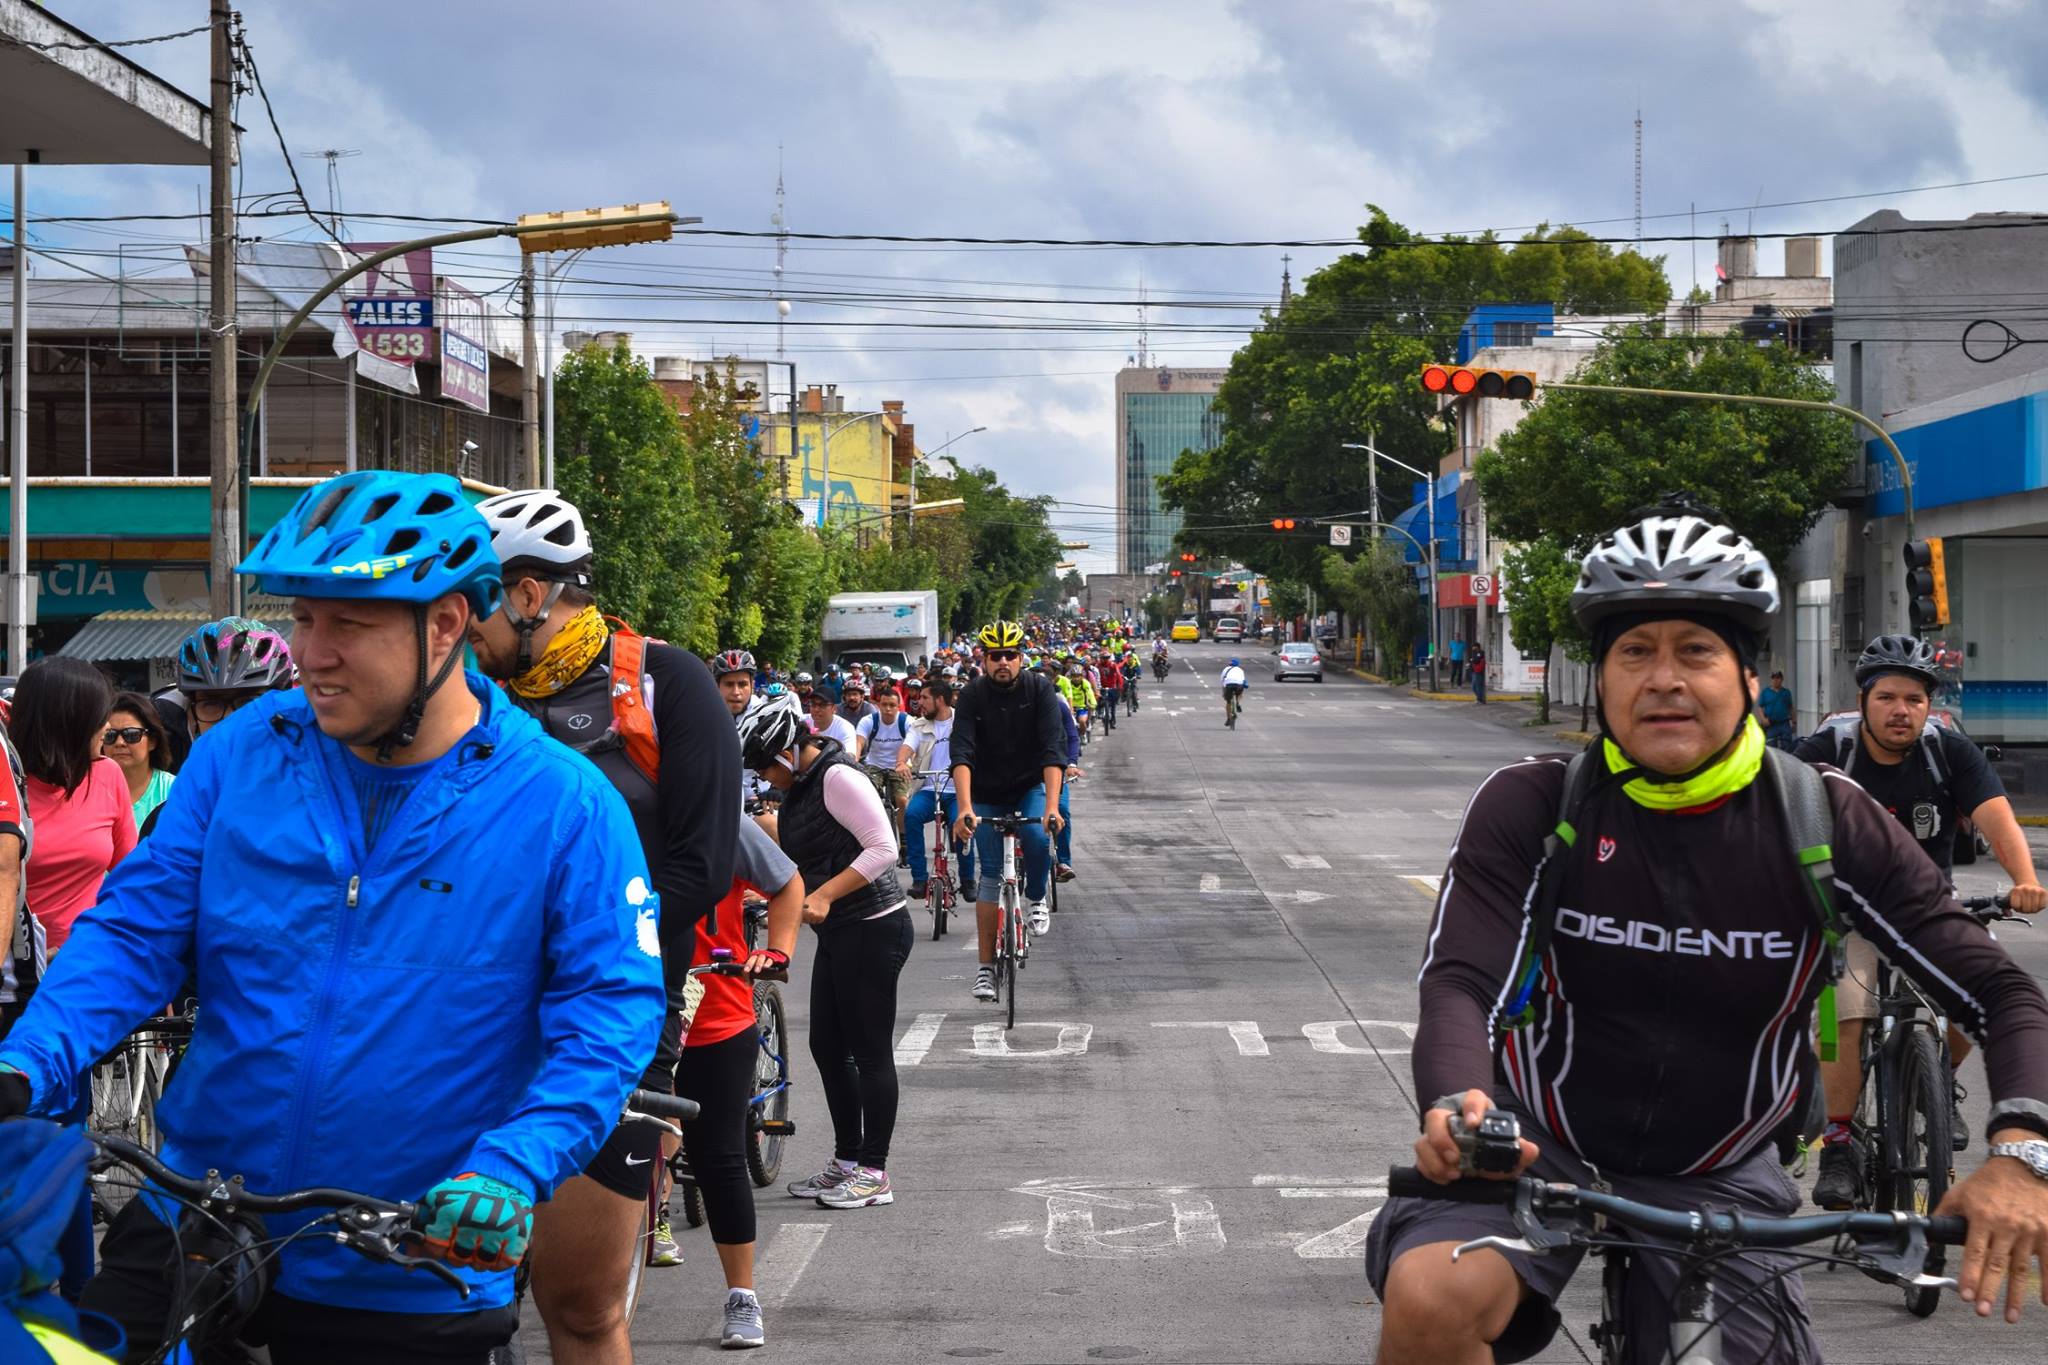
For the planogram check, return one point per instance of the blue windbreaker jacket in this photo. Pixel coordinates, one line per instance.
(479, 994)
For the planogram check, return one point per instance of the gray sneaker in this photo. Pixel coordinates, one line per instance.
(864, 1188)
(984, 983)
(742, 1322)
(834, 1173)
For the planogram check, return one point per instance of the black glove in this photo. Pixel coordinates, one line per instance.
(14, 1094)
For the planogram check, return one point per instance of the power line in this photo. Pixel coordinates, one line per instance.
(94, 45)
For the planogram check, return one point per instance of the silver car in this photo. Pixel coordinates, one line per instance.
(1297, 661)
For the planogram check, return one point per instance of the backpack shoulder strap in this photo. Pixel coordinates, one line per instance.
(630, 715)
(1579, 777)
(1802, 798)
(1930, 749)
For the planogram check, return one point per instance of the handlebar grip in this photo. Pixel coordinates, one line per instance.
(1405, 1182)
(1948, 1230)
(653, 1103)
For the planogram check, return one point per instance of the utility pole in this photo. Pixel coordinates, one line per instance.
(223, 589)
(529, 391)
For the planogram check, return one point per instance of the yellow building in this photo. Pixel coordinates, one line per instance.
(845, 466)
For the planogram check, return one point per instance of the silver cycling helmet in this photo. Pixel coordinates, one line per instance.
(768, 727)
(1676, 563)
(1905, 654)
(539, 529)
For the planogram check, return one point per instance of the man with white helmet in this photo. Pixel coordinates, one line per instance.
(652, 720)
(1617, 962)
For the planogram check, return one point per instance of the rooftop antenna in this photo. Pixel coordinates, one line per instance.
(1639, 174)
(1286, 281)
(1144, 348)
(779, 220)
(332, 156)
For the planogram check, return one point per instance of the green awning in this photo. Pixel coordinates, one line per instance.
(132, 635)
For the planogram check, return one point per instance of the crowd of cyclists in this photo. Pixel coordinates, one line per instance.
(284, 841)
(294, 838)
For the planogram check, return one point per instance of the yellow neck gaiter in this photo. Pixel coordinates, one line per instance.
(572, 650)
(1736, 770)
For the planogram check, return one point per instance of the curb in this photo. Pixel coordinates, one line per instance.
(1467, 697)
(1369, 677)
(1573, 736)
(2037, 821)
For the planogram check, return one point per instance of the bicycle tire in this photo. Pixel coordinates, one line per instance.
(1918, 1121)
(126, 1087)
(1006, 954)
(771, 1069)
(643, 1242)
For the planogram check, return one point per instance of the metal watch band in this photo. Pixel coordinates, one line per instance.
(2029, 1114)
(2018, 1152)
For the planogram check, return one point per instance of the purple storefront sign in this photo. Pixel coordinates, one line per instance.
(465, 360)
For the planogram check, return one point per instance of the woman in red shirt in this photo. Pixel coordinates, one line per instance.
(84, 820)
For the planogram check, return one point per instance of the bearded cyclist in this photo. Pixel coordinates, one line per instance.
(1009, 756)
(1660, 1037)
(556, 656)
(1926, 775)
(392, 1003)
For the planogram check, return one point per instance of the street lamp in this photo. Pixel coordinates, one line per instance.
(1430, 567)
(825, 459)
(915, 458)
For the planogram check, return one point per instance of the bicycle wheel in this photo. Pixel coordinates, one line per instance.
(643, 1241)
(1006, 953)
(1917, 1121)
(771, 1078)
(125, 1089)
(940, 897)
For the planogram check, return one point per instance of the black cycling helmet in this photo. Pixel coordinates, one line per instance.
(732, 661)
(235, 654)
(1907, 654)
(768, 727)
(1677, 561)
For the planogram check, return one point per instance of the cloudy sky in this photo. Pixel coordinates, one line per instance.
(1169, 119)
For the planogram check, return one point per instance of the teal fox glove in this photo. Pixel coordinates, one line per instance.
(476, 1221)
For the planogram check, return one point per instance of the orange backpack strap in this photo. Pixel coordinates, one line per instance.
(630, 716)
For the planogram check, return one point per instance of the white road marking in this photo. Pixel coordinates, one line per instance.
(1431, 884)
(1303, 897)
(1346, 1240)
(917, 1039)
(1211, 882)
(1244, 1032)
(1311, 1180)
(789, 1251)
(1378, 1191)
(992, 1040)
(1070, 1228)
(1323, 1036)
(1303, 862)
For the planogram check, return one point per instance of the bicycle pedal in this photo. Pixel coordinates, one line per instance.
(779, 1127)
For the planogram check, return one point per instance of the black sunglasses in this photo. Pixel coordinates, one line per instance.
(995, 654)
(127, 734)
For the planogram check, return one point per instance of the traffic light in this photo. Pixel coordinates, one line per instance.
(1462, 381)
(1283, 523)
(1926, 585)
(1187, 558)
(1175, 573)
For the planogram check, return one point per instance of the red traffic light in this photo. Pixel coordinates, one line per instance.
(1283, 523)
(1463, 381)
(1187, 558)
(1175, 573)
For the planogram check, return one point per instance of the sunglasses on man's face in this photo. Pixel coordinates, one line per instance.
(998, 655)
(127, 734)
(212, 710)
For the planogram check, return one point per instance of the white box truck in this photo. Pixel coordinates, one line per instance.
(892, 628)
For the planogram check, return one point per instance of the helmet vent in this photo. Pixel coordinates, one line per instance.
(322, 510)
(379, 507)
(402, 540)
(435, 503)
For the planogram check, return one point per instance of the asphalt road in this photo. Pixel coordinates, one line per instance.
(1176, 1158)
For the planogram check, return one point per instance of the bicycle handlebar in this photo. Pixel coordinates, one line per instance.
(1709, 1225)
(655, 1105)
(1989, 910)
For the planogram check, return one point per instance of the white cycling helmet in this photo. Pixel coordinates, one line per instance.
(537, 528)
(1673, 560)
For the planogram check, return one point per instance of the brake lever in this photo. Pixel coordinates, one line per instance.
(1903, 1259)
(1496, 1244)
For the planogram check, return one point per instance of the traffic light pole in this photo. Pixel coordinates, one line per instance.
(327, 291)
(1811, 404)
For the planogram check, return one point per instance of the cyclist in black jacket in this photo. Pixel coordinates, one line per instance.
(1667, 1025)
(555, 655)
(1009, 756)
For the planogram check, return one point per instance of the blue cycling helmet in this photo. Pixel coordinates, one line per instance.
(1233, 661)
(379, 535)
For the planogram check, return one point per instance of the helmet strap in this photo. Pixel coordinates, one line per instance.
(408, 727)
(527, 625)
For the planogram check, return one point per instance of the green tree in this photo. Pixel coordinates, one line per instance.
(1343, 359)
(1156, 611)
(1537, 577)
(1286, 599)
(1580, 462)
(631, 470)
(1379, 586)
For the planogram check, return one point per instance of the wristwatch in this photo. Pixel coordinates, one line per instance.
(2034, 1152)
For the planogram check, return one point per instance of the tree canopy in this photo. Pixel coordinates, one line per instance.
(1343, 359)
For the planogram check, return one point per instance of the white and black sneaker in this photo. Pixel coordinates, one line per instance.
(985, 982)
(1041, 919)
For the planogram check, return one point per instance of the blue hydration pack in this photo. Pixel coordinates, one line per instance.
(42, 1173)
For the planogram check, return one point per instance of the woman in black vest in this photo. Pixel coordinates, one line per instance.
(835, 829)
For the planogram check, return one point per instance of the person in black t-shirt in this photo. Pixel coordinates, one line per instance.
(1925, 775)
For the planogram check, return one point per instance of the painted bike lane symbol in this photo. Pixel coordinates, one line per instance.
(1072, 1207)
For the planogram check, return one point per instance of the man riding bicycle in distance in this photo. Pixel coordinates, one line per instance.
(1009, 757)
(1235, 684)
(1632, 978)
(652, 721)
(1926, 775)
(392, 1002)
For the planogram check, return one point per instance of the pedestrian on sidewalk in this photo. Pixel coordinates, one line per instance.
(1774, 704)
(1476, 657)
(1457, 662)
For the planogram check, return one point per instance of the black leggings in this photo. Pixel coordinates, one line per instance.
(720, 1077)
(853, 1031)
(133, 1287)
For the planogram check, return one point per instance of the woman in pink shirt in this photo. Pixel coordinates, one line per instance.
(84, 819)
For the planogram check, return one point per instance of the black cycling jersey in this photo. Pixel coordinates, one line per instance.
(1925, 807)
(1672, 1017)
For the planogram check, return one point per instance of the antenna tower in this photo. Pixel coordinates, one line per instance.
(1144, 348)
(779, 220)
(332, 156)
(1639, 175)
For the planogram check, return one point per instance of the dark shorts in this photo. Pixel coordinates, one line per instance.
(1751, 1331)
(621, 1165)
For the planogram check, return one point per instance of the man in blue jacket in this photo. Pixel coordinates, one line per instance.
(424, 936)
